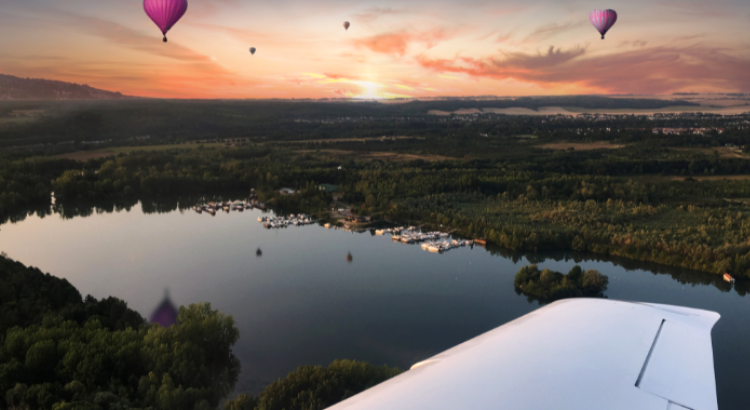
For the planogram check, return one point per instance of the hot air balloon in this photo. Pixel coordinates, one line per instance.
(603, 20)
(165, 314)
(346, 25)
(165, 13)
(252, 50)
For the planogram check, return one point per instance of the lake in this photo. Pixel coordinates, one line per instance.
(301, 302)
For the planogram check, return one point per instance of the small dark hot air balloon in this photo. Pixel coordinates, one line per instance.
(349, 257)
(346, 25)
(166, 313)
(165, 13)
(259, 253)
(252, 50)
(603, 20)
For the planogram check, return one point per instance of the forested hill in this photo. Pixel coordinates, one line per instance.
(16, 88)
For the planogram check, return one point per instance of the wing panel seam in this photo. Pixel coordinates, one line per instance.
(648, 358)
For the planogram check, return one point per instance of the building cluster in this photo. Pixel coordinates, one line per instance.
(688, 131)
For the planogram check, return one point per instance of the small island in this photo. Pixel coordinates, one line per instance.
(547, 285)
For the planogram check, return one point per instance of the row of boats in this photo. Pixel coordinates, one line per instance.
(213, 207)
(435, 242)
(413, 235)
(444, 246)
(271, 222)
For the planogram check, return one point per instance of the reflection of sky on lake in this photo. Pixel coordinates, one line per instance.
(302, 303)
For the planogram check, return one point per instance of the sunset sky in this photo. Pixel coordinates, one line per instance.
(407, 48)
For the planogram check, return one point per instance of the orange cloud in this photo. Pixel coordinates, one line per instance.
(396, 44)
(339, 76)
(169, 70)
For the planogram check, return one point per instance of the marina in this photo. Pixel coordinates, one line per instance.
(212, 208)
(434, 241)
(271, 222)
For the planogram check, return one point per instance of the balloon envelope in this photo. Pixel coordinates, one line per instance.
(603, 20)
(346, 25)
(165, 13)
(252, 50)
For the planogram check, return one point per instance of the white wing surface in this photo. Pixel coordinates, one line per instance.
(577, 354)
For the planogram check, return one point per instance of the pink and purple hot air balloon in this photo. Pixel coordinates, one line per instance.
(165, 13)
(603, 20)
(165, 314)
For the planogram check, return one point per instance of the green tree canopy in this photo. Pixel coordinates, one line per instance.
(548, 285)
(315, 387)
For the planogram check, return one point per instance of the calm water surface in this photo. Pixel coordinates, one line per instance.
(302, 303)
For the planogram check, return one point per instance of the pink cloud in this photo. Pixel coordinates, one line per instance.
(207, 8)
(372, 14)
(646, 70)
(552, 29)
(695, 8)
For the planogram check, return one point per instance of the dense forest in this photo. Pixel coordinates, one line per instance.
(610, 184)
(315, 387)
(59, 351)
(701, 225)
(132, 120)
(547, 285)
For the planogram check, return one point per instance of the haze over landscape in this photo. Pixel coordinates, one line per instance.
(393, 48)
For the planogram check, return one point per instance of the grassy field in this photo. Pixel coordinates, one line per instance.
(330, 141)
(713, 178)
(724, 152)
(582, 146)
(106, 152)
(84, 156)
(375, 155)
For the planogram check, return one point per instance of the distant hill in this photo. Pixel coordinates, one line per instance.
(17, 88)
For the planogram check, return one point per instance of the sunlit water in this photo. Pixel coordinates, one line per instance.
(302, 303)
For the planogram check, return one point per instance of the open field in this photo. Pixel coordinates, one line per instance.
(84, 156)
(127, 150)
(106, 152)
(348, 140)
(739, 108)
(724, 152)
(17, 120)
(713, 178)
(378, 155)
(582, 146)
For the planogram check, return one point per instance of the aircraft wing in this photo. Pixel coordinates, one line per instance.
(576, 354)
